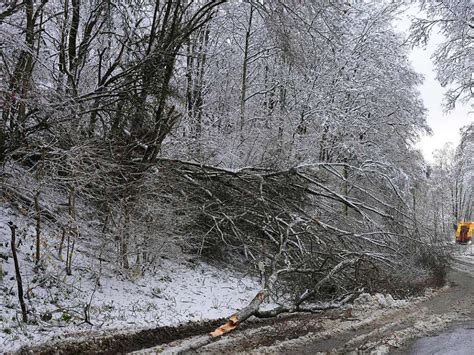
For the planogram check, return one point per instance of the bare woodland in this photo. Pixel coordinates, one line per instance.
(274, 136)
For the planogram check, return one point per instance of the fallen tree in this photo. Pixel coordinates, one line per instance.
(311, 232)
(293, 227)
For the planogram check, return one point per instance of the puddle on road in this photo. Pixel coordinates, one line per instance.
(458, 339)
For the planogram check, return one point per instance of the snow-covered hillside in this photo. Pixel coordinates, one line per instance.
(177, 290)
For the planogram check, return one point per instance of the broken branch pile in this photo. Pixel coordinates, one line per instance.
(296, 226)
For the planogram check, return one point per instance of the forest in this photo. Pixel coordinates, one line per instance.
(270, 138)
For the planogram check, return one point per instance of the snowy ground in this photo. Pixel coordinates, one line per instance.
(177, 290)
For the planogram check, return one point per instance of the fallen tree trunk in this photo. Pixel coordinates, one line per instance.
(234, 320)
(245, 313)
(253, 308)
(310, 309)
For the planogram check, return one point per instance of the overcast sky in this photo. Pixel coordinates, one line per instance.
(445, 126)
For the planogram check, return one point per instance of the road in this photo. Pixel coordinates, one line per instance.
(457, 340)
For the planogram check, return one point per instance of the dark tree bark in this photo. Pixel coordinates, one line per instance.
(17, 273)
(38, 228)
(243, 91)
(72, 231)
(61, 244)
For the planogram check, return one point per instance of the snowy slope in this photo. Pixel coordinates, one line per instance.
(178, 289)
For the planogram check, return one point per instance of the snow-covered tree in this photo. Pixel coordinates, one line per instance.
(453, 57)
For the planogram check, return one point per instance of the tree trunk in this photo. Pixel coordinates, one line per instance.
(68, 255)
(38, 228)
(17, 273)
(15, 99)
(61, 244)
(243, 91)
(345, 174)
(124, 238)
(73, 231)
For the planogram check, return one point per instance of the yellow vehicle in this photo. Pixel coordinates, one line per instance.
(464, 232)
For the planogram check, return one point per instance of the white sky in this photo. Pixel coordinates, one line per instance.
(445, 126)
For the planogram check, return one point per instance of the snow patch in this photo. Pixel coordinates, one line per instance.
(367, 301)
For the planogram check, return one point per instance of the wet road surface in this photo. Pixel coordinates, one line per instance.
(457, 340)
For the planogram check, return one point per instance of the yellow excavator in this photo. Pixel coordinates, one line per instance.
(464, 232)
